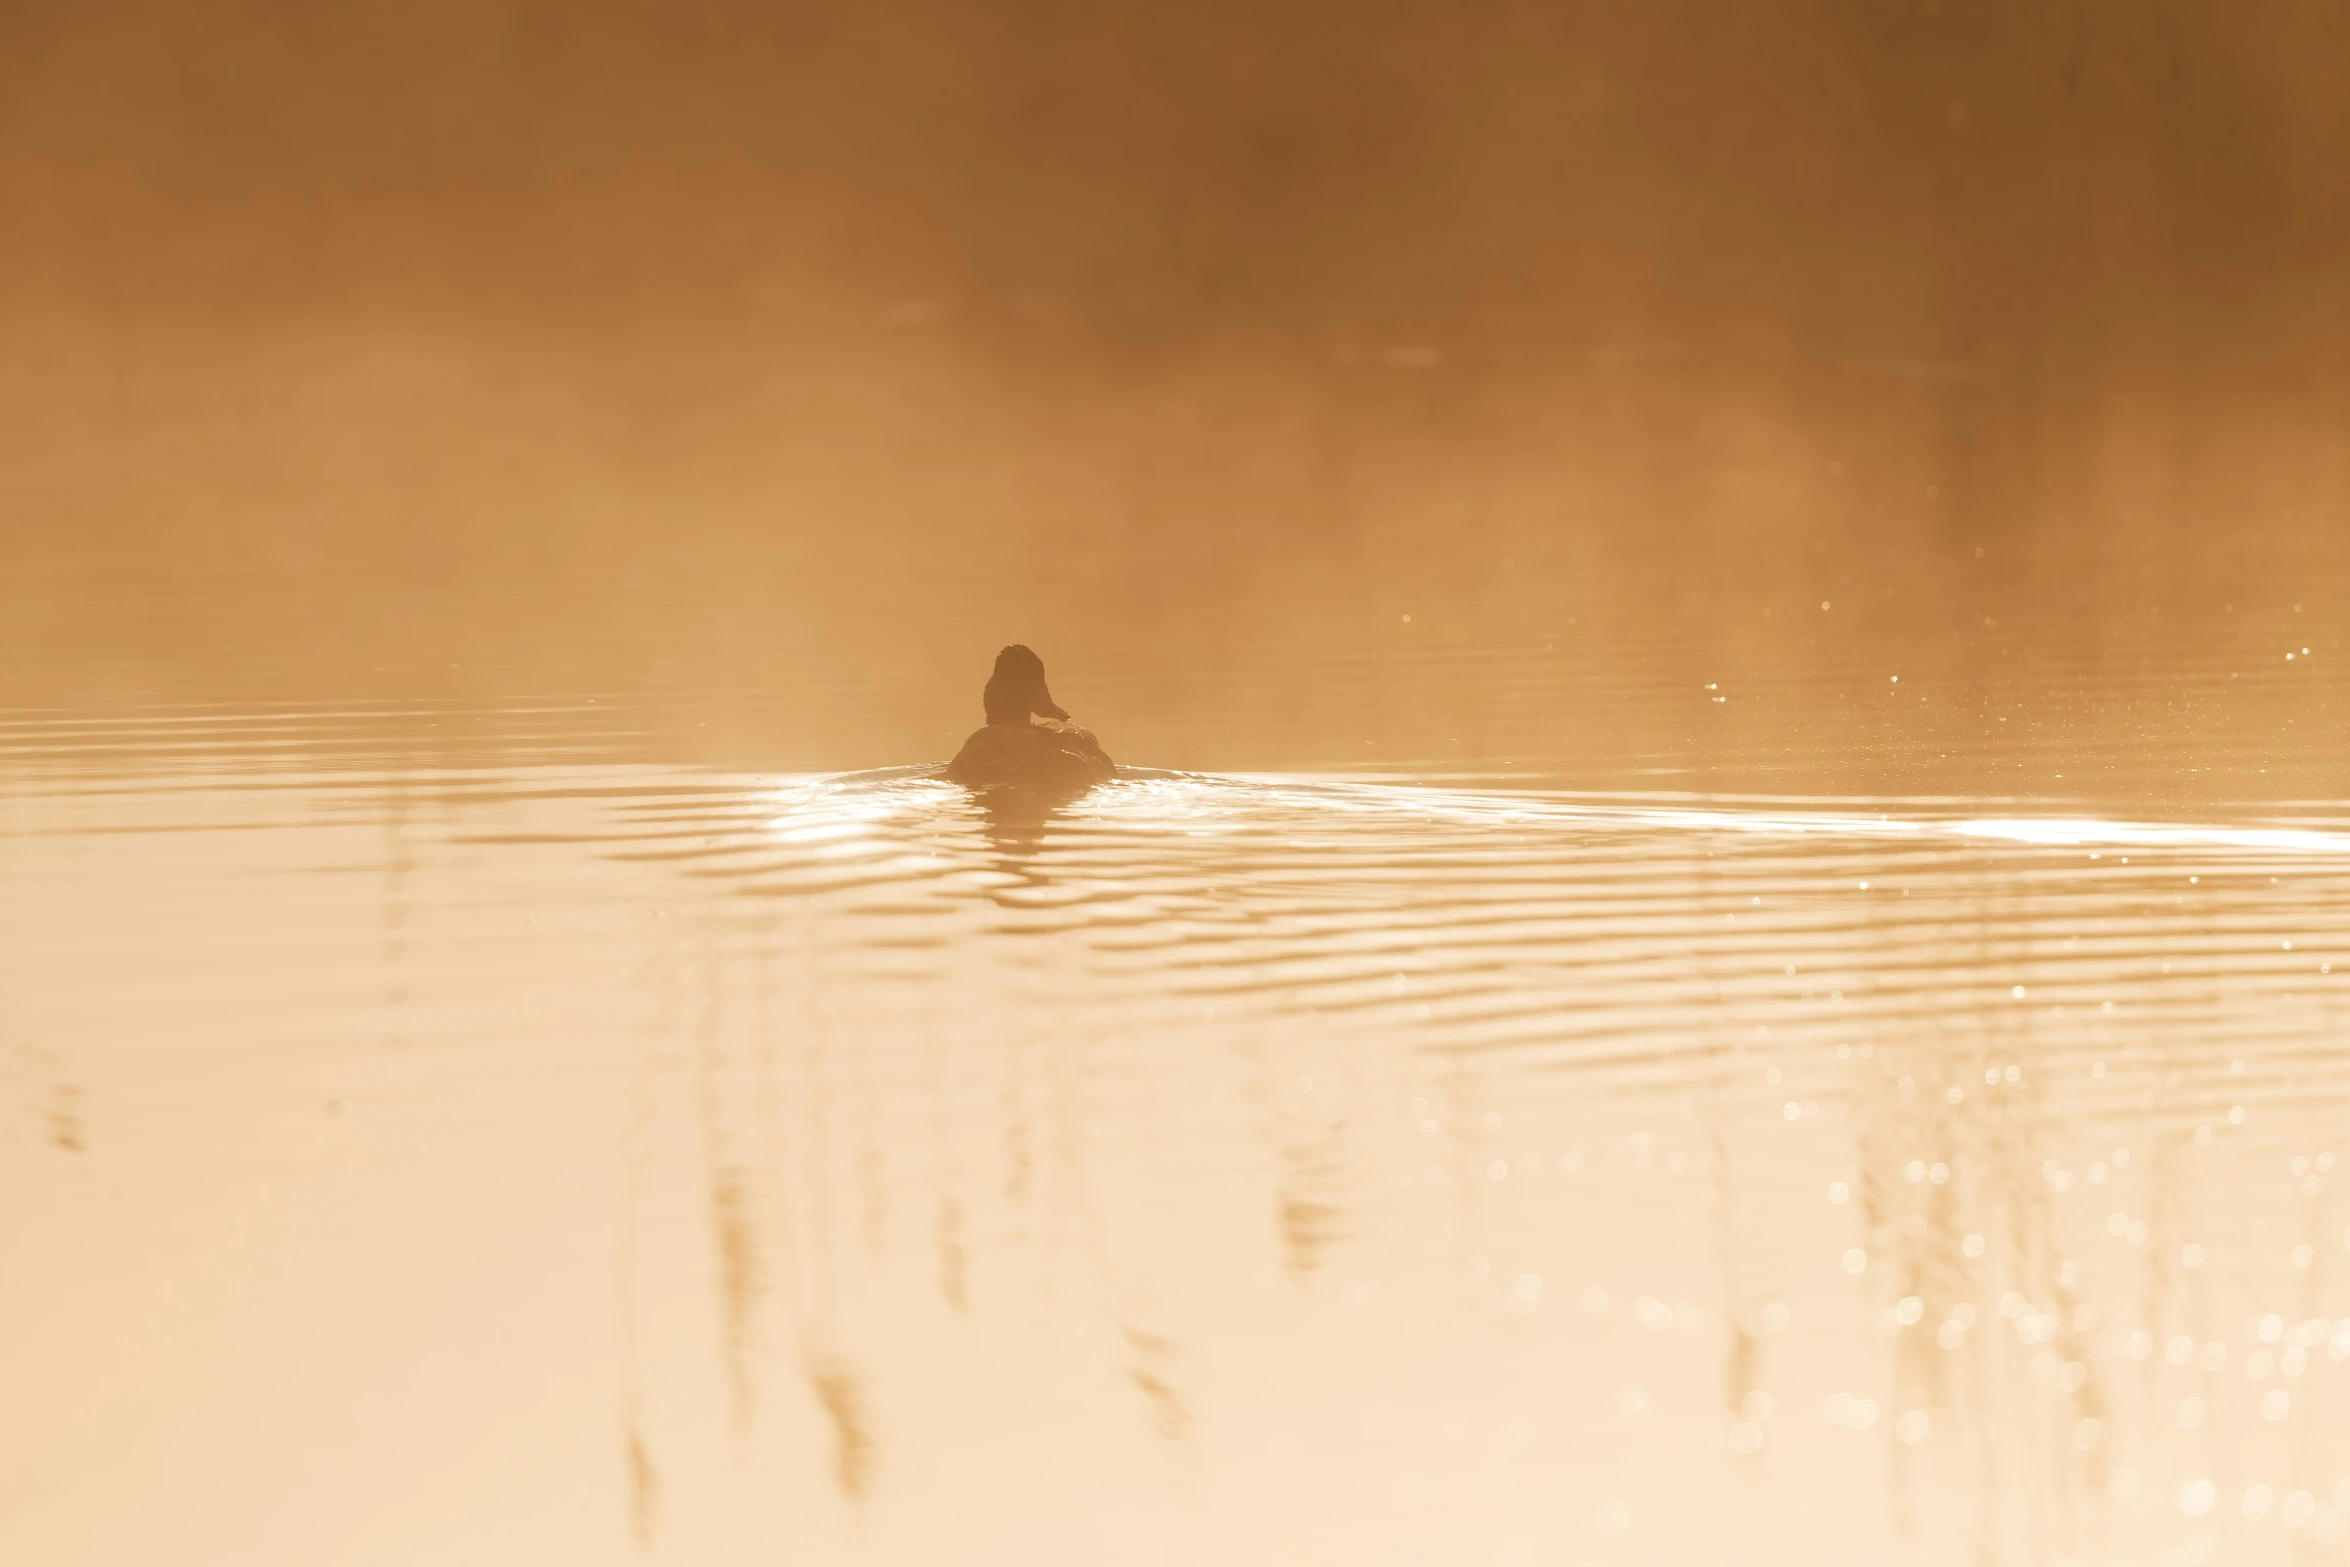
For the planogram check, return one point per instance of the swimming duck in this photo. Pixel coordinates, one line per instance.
(1029, 742)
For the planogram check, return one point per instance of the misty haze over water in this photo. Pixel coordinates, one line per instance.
(816, 351)
(1713, 606)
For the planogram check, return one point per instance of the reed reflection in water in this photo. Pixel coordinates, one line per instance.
(1218, 1168)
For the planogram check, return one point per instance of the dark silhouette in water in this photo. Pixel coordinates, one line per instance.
(1028, 743)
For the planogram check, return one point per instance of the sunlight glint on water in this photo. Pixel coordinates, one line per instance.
(831, 1165)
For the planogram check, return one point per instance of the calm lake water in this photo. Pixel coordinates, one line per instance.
(477, 1131)
(1727, 935)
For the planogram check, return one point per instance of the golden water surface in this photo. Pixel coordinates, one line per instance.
(517, 1146)
(1726, 937)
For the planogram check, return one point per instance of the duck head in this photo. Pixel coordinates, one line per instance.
(1017, 688)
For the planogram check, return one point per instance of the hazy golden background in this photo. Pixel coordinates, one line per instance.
(815, 350)
(1869, 478)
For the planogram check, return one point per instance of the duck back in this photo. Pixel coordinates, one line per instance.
(1046, 758)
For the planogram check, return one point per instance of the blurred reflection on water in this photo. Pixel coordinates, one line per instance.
(530, 1151)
